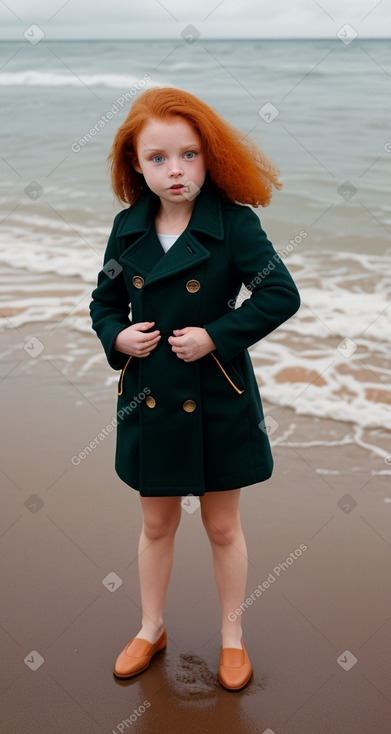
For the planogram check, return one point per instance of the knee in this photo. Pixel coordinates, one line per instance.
(156, 526)
(221, 530)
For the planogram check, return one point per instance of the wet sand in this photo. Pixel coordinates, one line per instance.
(318, 635)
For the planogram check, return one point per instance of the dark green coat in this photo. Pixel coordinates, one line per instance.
(191, 427)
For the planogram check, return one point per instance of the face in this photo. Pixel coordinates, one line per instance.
(171, 158)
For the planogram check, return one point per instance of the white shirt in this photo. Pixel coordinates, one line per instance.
(167, 240)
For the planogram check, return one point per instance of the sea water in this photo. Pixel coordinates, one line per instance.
(320, 109)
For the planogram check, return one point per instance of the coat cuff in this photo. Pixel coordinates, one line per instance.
(212, 330)
(116, 359)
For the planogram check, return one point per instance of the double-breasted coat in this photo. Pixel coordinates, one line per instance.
(191, 427)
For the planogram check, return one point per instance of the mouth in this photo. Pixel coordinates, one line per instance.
(176, 187)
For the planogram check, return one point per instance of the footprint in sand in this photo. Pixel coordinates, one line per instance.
(194, 675)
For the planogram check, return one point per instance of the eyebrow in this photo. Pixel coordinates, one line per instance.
(161, 150)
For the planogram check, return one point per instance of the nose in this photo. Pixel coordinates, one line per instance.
(175, 168)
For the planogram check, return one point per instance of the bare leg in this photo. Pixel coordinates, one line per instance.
(161, 516)
(220, 516)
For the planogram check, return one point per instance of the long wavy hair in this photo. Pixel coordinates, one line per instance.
(237, 167)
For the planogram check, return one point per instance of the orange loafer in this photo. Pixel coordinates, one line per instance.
(235, 668)
(137, 655)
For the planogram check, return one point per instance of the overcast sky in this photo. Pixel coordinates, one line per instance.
(212, 18)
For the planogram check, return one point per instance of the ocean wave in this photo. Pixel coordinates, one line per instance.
(329, 360)
(36, 78)
(320, 387)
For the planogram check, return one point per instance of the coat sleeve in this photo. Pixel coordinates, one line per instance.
(274, 296)
(110, 307)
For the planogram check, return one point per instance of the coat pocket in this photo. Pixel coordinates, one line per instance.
(231, 374)
(121, 378)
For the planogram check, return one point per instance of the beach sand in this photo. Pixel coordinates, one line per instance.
(318, 537)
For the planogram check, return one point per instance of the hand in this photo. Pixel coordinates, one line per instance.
(135, 342)
(191, 343)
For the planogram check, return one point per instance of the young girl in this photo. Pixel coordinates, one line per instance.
(190, 419)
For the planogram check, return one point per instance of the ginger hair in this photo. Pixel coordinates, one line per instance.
(237, 167)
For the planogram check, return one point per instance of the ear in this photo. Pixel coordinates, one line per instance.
(135, 163)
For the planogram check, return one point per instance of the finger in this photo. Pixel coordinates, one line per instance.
(179, 350)
(148, 347)
(150, 337)
(149, 334)
(143, 325)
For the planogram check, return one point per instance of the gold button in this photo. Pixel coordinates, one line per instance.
(150, 401)
(189, 406)
(138, 281)
(193, 286)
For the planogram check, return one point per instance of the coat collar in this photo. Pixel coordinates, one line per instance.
(145, 254)
(206, 216)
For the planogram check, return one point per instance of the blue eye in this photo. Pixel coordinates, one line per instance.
(190, 154)
(159, 157)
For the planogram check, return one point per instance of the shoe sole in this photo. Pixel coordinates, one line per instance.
(238, 688)
(132, 675)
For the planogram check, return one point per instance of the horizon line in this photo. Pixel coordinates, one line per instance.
(206, 38)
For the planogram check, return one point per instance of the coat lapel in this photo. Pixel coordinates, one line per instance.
(146, 255)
